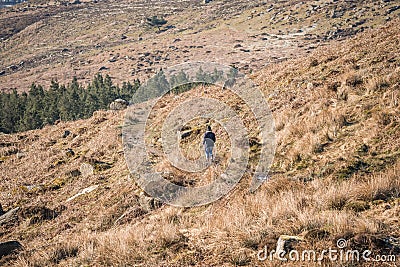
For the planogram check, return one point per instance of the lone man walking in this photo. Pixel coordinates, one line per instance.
(208, 142)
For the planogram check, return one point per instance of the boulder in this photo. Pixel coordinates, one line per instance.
(9, 216)
(113, 59)
(148, 203)
(119, 104)
(9, 247)
(20, 155)
(66, 134)
(86, 169)
(285, 244)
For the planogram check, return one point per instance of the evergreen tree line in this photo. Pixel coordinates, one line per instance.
(40, 107)
(182, 82)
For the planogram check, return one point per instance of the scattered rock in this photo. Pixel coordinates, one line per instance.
(70, 153)
(66, 134)
(123, 37)
(9, 247)
(119, 104)
(20, 155)
(9, 216)
(285, 244)
(1, 210)
(113, 59)
(103, 68)
(2, 72)
(83, 192)
(148, 203)
(86, 169)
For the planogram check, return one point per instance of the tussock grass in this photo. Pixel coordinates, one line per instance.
(335, 174)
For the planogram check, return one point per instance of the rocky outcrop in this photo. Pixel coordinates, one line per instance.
(9, 217)
(9, 247)
(285, 244)
(119, 104)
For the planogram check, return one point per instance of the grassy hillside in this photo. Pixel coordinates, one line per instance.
(335, 174)
(49, 40)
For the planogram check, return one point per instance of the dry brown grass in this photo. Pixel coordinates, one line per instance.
(335, 175)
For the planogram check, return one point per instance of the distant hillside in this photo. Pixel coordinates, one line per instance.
(9, 3)
(335, 174)
(42, 41)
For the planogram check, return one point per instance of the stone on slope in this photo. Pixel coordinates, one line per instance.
(285, 244)
(148, 203)
(119, 104)
(86, 169)
(83, 192)
(9, 247)
(9, 216)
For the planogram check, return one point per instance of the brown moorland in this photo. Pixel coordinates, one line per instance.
(335, 174)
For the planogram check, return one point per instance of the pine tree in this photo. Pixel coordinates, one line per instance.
(39, 107)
